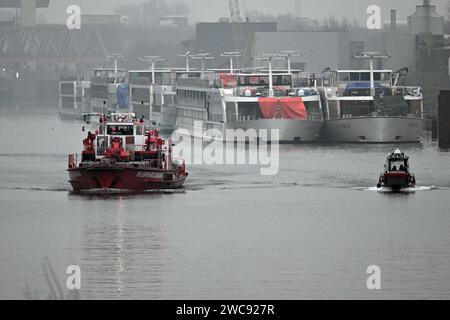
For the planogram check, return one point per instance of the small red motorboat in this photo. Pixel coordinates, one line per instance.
(396, 173)
(125, 155)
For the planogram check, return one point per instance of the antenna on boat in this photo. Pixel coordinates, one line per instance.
(152, 61)
(289, 55)
(186, 55)
(231, 55)
(203, 56)
(371, 56)
(269, 58)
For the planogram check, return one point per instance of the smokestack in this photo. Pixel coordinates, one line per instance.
(393, 20)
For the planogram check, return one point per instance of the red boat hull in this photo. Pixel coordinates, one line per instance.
(113, 177)
(397, 180)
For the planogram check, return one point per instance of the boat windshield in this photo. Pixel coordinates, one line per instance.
(120, 130)
(398, 165)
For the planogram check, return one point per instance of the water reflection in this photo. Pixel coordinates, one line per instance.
(120, 239)
(123, 246)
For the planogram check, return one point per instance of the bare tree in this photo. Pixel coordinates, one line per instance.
(332, 23)
(150, 12)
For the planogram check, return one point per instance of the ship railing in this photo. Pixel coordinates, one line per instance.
(414, 91)
(104, 80)
(148, 82)
(377, 115)
(125, 164)
(261, 92)
(139, 148)
(307, 79)
(72, 161)
(343, 91)
(179, 162)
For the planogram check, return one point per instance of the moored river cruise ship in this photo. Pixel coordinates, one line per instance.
(368, 106)
(74, 97)
(245, 101)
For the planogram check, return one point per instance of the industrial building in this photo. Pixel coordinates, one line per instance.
(418, 44)
(220, 37)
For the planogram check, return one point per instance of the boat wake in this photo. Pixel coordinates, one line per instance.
(101, 192)
(406, 190)
(35, 189)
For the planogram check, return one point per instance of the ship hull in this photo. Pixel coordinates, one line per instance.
(111, 178)
(397, 181)
(290, 131)
(373, 130)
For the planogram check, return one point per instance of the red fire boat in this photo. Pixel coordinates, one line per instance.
(396, 173)
(124, 155)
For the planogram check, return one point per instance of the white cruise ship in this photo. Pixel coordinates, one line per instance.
(249, 101)
(369, 106)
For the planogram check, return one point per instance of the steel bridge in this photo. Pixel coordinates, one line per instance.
(51, 44)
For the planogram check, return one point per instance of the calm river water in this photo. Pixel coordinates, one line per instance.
(309, 232)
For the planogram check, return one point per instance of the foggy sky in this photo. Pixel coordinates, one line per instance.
(211, 10)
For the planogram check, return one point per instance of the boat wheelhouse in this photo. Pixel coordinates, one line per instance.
(245, 101)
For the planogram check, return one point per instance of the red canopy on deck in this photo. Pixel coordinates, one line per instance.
(283, 108)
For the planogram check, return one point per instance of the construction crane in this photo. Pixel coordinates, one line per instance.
(235, 10)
